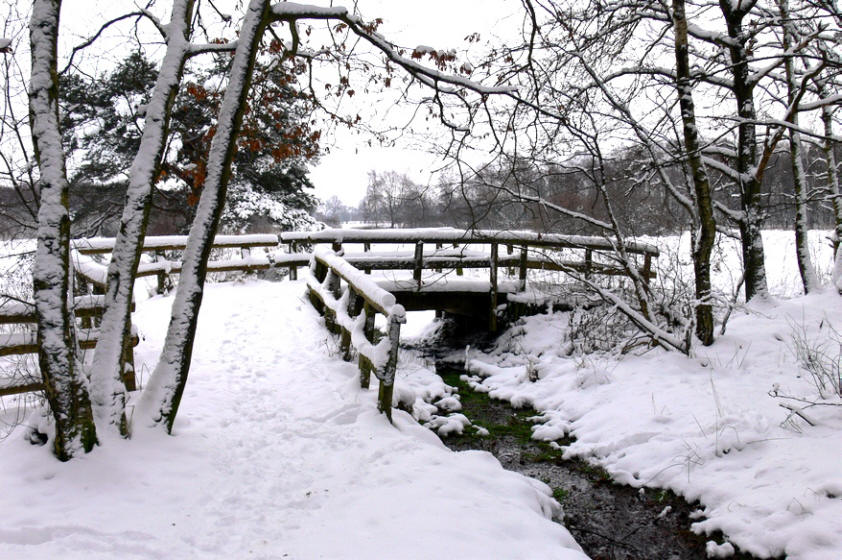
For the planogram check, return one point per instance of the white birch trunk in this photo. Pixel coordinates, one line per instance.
(162, 395)
(108, 389)
(809, 280)
(65, 386)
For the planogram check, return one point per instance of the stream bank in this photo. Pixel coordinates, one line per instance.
(609, 520)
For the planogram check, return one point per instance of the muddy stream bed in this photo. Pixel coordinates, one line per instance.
(609, 520)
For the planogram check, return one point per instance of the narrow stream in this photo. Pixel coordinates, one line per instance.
(610, 521)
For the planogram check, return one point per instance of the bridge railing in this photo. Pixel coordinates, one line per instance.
(349, 301)
(546, 257)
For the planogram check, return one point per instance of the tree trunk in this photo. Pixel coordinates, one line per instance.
(706, 237)
(65, 385)
(832, 172)
(833, 186)
(799, 178)
(108, 390)
(748, 183)
(166, 386)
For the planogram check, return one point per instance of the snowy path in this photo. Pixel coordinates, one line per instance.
(277, 454)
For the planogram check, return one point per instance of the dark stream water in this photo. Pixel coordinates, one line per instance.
(609, 520)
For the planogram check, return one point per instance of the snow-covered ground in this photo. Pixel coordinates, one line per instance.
(277, 454)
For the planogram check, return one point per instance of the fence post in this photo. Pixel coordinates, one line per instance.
(647, 268)
(387, 381)
(438, 246)
(510, 250)
(293, 270)
(492, 317)
(522, 271)
(368, 330)
(419, 262)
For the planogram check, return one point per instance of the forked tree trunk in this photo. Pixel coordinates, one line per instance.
(162, 396)
(706, 237)
(108, 390)
(65, 385)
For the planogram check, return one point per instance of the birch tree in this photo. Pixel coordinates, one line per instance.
(65, 385)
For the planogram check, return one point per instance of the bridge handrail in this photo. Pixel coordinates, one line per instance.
(350, 311)
(381, 300)
(453, 235)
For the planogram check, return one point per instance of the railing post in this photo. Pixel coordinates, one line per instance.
(438, 246)
(368, 330)
(419, 262)
(366, 249)
(387, 380)
(459, 269)
(353, 310)
(522, 272)
(492, 317)
(647, 268)
(510, 250)
(332, 283)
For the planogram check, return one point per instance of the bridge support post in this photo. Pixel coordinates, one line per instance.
(492, 317)
(522, 271)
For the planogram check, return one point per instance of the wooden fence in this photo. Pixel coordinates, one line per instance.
(92, 277)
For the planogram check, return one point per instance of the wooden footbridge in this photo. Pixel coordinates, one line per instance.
(341, 287)
(417, 269)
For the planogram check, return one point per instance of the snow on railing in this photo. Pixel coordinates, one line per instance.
(453, 235)
(349, 311)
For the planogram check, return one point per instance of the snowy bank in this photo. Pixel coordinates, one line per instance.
(705, 427)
